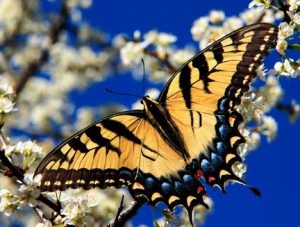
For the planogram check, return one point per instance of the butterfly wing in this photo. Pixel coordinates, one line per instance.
(110, 152)
(201, 98)
(120, 150)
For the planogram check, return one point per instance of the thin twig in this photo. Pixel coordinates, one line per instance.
(127, 213)
(165, 61)
(121, 207)
(15, 171)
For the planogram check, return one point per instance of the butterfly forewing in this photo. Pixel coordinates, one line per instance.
(110, 152)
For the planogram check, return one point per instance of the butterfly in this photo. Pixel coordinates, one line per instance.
(189, 132)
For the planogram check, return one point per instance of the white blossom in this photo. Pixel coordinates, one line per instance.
(179, 57)
(251, 106)
(239, 169)
(287, 68)
(24, 154)
(29, 191)
(78, 211)
(199, 27)
(159, 76)
(6, 89)
(85, 115)
(232, 23)
(45, 224)
(250, 16)
(216, 16)
(271, 93)
(259, 4)
(269, 127)
(296, 19)
(11, 13)
(132, 52)
(8, 202)
(281, 46)
(252, 142)
(285, 30)
(6, 105)
(294, 5)
(270, 16)
(159, 38)
(119, 41)
(262, 72)
(79, 3)
(86, 3)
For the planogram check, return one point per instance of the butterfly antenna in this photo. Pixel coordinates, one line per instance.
(121, 93)
(144, 75)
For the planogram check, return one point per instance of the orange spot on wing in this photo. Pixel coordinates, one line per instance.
(199, 189)
(210, 179)
(198, 174)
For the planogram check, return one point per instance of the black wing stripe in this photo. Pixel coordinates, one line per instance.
(201, 64)
(218, 52)
(184, 84)
(119, 129)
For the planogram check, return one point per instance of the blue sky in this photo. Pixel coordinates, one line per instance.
(273, 168)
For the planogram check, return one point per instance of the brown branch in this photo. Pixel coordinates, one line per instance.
(123, 215)
(58, 25)
(20, 176)
(284, 8)
(260, 18)
(165, 61)
(13, 169)
(290, 109)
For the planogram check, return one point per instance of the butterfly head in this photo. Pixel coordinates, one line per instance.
(149, 103)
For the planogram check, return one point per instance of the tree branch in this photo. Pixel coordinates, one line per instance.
(58, 25)
(165, 61)
(15, 171)
(19, 174)
(123, 215)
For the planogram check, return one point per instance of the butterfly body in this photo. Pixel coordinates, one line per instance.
(190, 132)
(158, 117)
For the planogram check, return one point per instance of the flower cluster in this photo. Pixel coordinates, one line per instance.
(208, 29)
(78, 211)
(154, 48)
(28, 191)
(286, 34)
(260, 4)
(24, 154)
(26, 195)
(8, 202)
